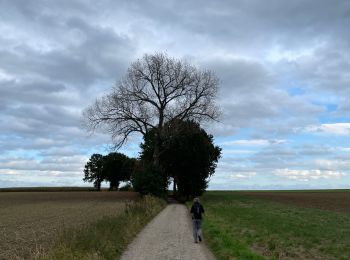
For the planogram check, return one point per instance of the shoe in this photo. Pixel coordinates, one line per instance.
(199, 238)
(196, 242)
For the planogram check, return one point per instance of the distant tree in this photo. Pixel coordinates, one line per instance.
(93, 170)
(155, 90)
(189, 156)
(117, 167)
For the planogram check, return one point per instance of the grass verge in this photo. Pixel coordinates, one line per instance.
(108, 237)
(242, 227)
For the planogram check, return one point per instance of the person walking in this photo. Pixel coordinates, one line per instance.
(196, 211)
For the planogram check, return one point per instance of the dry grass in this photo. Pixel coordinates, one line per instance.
(30, 222)
(108, 237)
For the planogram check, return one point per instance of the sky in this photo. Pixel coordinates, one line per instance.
(284, 70)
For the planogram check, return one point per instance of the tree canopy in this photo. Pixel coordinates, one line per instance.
(114, 168)
(189, 156)
(93, 170)
(155, 90)
(117, 167)
(149, 179)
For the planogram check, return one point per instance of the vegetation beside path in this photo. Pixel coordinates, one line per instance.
(108, 237)
(245, 227)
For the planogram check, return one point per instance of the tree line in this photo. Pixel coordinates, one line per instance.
(188, 159)
(165, 100)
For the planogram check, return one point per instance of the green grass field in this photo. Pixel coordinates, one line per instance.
(240, 226)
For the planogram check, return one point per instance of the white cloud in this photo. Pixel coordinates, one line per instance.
(5, 76)
(242, 175)
(253, 142)
(228, 152)
(258, 142)
(277, 53)
(334, 129)
(9, 172)
(307, 175)
(63, 164)
(333, 164)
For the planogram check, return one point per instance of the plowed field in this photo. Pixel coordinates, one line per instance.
(31, 221)
(335, 200)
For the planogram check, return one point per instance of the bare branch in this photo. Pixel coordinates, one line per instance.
(156, 89)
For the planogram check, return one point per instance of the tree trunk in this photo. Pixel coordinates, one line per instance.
(113, 185)
(174, 186)
(98, 185)
(156, 152)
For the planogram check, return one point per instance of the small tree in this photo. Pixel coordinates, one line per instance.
(117, 167)
(93, 170)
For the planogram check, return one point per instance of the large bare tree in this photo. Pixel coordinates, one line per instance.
(156, 89)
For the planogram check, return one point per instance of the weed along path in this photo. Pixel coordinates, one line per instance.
(168, 236)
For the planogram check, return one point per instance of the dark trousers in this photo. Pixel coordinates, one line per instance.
(197, 231)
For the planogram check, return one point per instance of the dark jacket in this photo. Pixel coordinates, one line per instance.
(197, 210)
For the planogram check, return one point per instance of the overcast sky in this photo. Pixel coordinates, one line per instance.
(284, 68)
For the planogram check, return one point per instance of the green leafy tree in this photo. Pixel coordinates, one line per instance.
(94, 170)
(189, 156)
(117, 167)
(148, 179)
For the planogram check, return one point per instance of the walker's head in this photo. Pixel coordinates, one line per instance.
(196, 200)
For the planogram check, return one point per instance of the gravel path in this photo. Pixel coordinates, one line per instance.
(168, 236)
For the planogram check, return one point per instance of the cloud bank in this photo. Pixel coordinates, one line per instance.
(284, 71)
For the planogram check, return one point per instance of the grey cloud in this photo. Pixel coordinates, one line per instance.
(97, 57)
(33, 92)
(47, 114)
(72, 164)
(252, 24)
(240, 77)
(59, 56)
(250, 97)
(58, 60)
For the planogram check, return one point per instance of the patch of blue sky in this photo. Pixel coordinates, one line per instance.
(296, 91)
(22, 153)
(326, 100)
(130, 149)
(100, 149)
(319, 139)
(330, 119)
(331, 107)
(302, 138)
(239, 151)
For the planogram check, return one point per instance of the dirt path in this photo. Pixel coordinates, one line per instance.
(167, 236)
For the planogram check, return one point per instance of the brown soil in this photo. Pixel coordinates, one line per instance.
(31, 221)
(335, 201)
